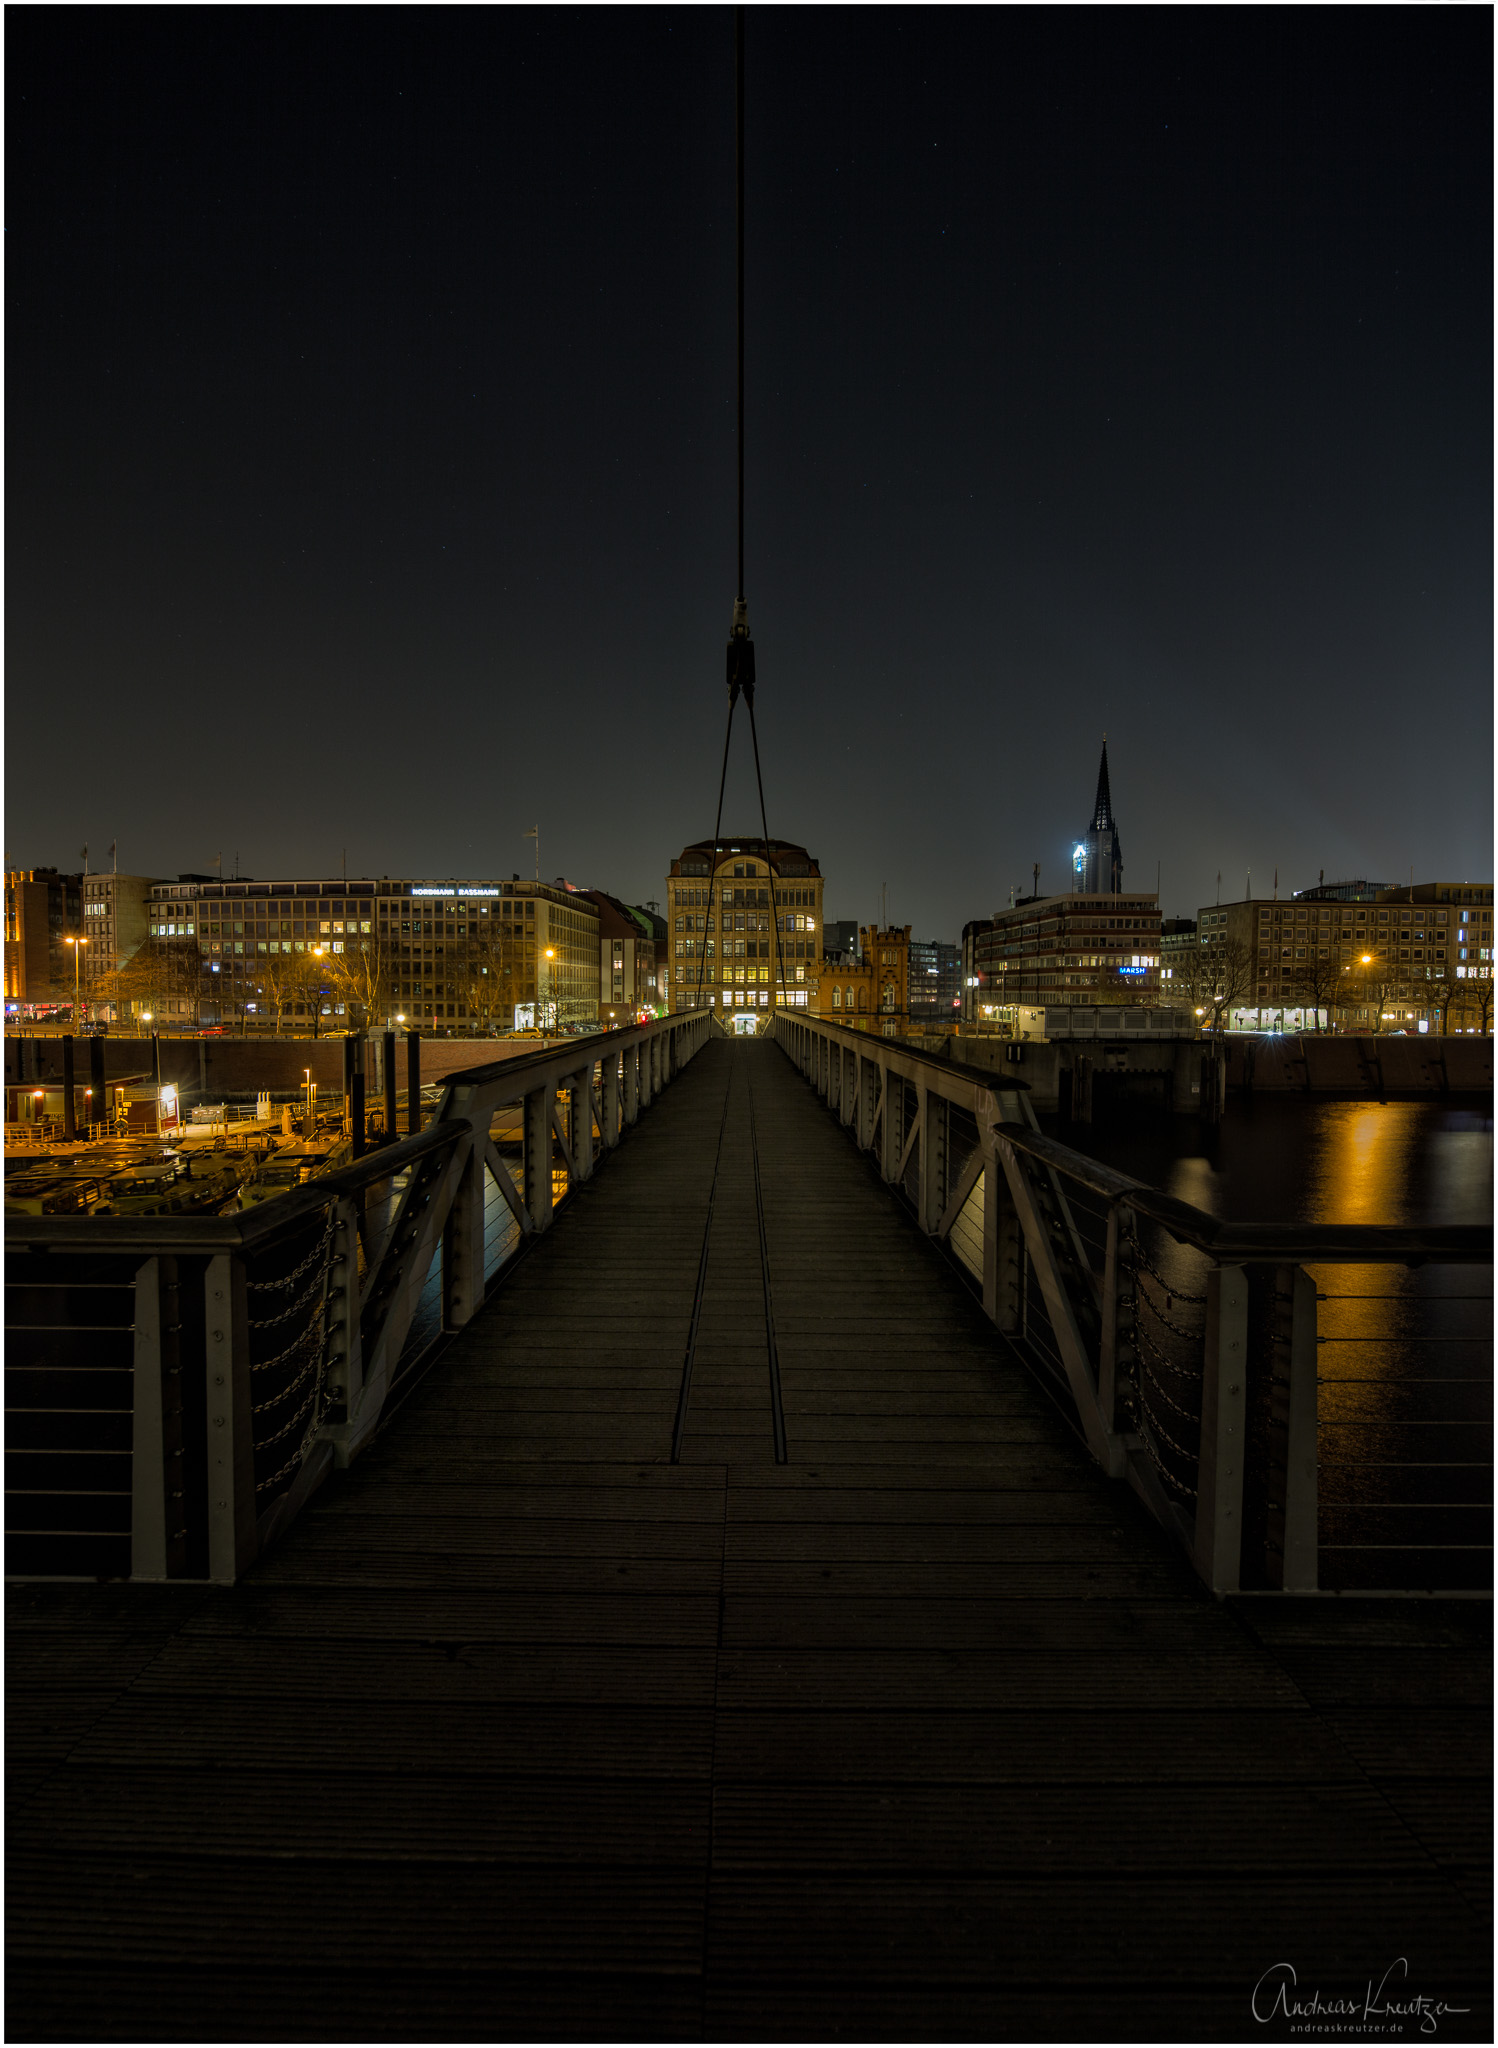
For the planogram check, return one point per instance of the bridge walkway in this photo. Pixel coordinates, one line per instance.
(528, 1731)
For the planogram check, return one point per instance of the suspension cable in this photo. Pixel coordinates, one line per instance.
(738, 130)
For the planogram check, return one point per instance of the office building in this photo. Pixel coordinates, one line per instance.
(1178, 947)
(448, 956)
(627, 986)
(1328, 954)
(840, 937)
(1088, 949)
(43, 909)
(115, 924)
(935, 982)
(745, 928)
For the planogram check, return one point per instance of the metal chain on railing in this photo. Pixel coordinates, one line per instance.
(309, 1340)
(290, 1279)
(1181, 1372)
(1169, 1400)
(1188, 1336)
(261, 1407)
(270, 1322)
(1167, 1287)
(1154, 1456)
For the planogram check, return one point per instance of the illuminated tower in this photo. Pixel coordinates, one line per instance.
(1097, 858)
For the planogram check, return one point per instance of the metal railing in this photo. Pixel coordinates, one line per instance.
(1306, 1407)
(178, 1387)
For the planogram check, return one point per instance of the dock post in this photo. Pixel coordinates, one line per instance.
(387, 1061)
(69, 1108)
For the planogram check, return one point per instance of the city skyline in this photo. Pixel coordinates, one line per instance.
(1095, 392)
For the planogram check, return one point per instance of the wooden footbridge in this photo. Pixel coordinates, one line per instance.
(747, 1598)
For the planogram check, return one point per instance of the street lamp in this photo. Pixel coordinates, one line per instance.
(546, 992)
(317, 953)
(77, 945)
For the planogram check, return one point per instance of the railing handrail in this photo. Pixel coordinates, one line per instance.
(988, 1078)
(1234, 1243)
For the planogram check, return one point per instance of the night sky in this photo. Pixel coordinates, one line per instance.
(371, 409)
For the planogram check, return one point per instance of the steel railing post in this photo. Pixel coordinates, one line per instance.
(892, 1129)
(231, 1442)
(148, 1502)
(611, 1099)
(580, 1121)
(1117, 1335)
(631, 1083)
(931, 1109)
(463, 1244)
(1219, 1474)
(536, 1129)
(1293, 1562)
(342, 1351)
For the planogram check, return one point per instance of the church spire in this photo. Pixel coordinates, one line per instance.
(1097, 863)
(1102, 810)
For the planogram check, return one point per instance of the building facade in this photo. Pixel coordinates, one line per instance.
(1088, 949)
(869, 990)
(444, 956)
(627, 984)
(744, 930)
(1332, 955)
(116, 923)
(935, 982)
(43, 910)
(1178, 946)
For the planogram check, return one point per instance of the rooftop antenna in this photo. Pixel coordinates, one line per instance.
(1248, 885)
(114, 855)
(85, 856)
(1035, 870)
(534, 832)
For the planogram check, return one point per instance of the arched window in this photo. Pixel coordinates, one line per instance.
(837, 999)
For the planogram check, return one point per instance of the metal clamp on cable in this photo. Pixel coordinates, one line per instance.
(740, 656)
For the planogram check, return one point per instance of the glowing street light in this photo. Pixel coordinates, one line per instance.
(77, 945)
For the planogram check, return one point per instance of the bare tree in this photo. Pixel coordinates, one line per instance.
(1215, 975)
(1379, 987)
(1317, 983)
(1473, 996)
(487, 984)
(158, 971)
(361, 976)
(284, 978)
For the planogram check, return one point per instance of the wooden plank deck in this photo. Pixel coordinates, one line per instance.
(526, 1732)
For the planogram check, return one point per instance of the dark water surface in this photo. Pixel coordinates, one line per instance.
(1405, 1353)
